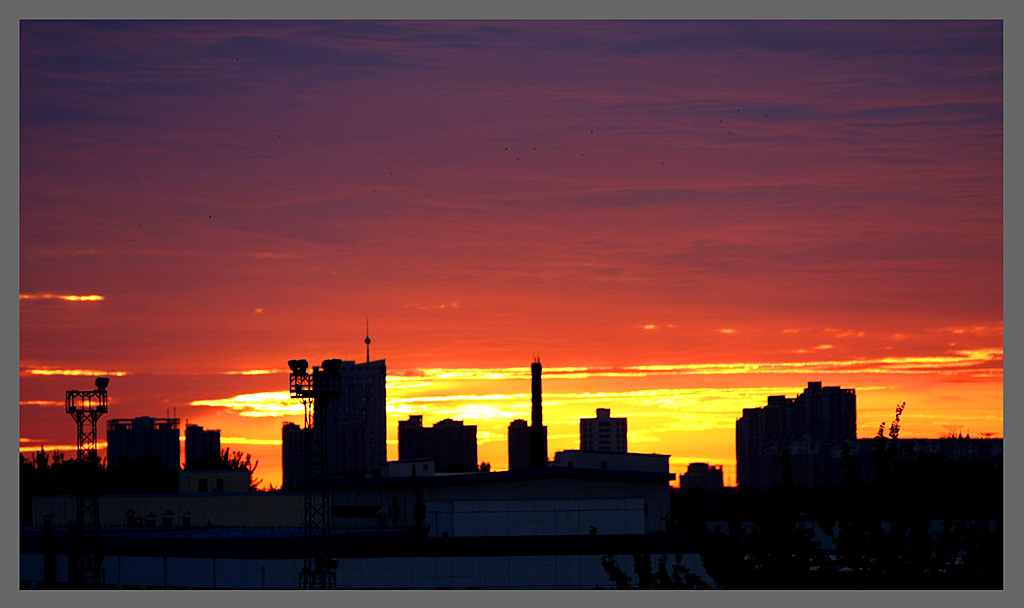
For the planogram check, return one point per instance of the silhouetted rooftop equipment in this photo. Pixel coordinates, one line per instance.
(86, 407)
(322, 384)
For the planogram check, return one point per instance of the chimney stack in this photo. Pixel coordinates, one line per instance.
(538, 432)
(537, 418)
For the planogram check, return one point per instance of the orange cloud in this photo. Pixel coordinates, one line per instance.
(960, 359)
(432, 307)
(52, 296)
(256, 372)
(46, 371)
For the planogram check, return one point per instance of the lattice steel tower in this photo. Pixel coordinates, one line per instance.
(324, 384)
(86, 407)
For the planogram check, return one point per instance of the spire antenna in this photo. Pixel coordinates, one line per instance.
(367, 340)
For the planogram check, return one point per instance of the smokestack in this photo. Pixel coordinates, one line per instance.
(537, 417)
(538, 432)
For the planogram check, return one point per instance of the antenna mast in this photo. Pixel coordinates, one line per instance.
(367, 340)
(86, 407)
(314, 391)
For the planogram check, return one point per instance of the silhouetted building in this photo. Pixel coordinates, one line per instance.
(984, 451)
(199, 481)
(614, 461)
(538, 432)
(518, 446)
(356, 421)
(202, 447)
(603, 433)
(292, 456)
(142, 439)
(701, 475)
(419, 467)
(535, 529)
(449, 443)
(809, 429)
(412, 438)
(453, 446)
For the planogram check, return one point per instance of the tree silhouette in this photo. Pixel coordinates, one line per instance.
(230, 459)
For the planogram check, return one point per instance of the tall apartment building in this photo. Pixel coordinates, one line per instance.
(451, 444)
(144, 438)
(292, 456)
(412, 439)
(603, 433)
(518, 446)
(355, 422)
(201, 446)
(808, 428)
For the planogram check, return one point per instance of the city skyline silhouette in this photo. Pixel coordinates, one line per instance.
(817, 508)
(681, 217)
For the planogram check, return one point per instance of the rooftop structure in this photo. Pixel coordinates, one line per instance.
(603, 433)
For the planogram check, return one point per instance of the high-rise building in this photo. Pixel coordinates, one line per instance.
(355, 422)
(603, 433)
(292, 456)
(202, 447)
(808, 429)
(144, 438)
(449, 443)
(412, 439)
(453, 446)
(518, 446)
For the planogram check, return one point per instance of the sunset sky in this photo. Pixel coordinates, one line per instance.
(680, 217)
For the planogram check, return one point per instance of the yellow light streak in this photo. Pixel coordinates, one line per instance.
(100, 445)
(257, 405)
(256, 372)
(884, 365)
(45, 371)
(249, 441)
(53, 296)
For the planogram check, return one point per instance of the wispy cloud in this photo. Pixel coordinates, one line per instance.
(953, 362)
(256, 372)
(48, 371)
(53, 296)
(977, 330)
(433, 307)
(256, 405)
